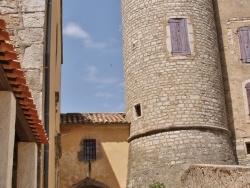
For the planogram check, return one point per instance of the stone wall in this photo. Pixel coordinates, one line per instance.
(208, 176)
(175, 92)
(165, 156)
(25, 21)
(231, 15)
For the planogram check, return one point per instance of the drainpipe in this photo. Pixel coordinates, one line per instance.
(47, 90)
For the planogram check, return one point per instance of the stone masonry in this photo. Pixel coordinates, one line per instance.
(183, 114)
(25, 23)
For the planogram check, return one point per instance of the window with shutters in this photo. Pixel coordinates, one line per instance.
(89, 150)
(179, 36)
(248, 95)
(244, 40)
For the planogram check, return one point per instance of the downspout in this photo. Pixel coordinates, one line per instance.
(47, 90)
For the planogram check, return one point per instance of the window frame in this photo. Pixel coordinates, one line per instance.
(89, 149)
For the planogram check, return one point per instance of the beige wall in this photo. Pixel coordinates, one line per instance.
(55, 85)
(230, 16)
(111, 166)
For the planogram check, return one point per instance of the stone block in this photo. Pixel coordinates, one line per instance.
(33, 57)
(34, 79)
(34, 19)
(31, 35)
(32, 5)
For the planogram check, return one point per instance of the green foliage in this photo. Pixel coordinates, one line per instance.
(156, 184)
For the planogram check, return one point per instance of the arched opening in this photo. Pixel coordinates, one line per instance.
(89, 183)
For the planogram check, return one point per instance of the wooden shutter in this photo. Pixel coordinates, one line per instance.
(248, 95)
(179, 36)
(244, 40)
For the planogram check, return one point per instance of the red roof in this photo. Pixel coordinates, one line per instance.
(93, 118)
(17, 81)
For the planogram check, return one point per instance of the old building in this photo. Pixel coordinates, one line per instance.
(187, 86)
(94, 150)
(30, 94)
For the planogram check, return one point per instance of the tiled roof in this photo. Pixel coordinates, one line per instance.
(17, 81)
(93, 118)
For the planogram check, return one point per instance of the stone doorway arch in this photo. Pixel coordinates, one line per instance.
(89, 183)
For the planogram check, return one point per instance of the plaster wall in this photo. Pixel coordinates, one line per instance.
(110, 168)
(27, 165)
(208, 176)
(230, 15)
(7, 136)
(54, 94)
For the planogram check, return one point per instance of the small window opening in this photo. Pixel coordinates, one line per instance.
(138, 110)
(248, 147)
(89, 149)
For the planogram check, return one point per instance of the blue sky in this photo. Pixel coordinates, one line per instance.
(92, 73)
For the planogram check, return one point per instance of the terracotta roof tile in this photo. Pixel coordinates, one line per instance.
(17, 81)
(93, 118)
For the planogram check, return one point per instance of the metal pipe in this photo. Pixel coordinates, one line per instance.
(47, 90)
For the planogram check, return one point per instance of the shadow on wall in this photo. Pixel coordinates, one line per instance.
(228, 97)
(89, 183)
(110, 167)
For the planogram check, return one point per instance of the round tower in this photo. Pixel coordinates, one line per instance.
(174, 90)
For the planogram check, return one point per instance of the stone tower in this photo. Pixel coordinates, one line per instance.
(174, 90)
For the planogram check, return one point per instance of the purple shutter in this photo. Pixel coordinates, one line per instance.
(244, 40)
(248, 95)
(184, 37)
(175, 36)
(179, 36)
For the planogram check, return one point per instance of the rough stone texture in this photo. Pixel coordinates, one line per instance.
(173, 92)
(7, 135)
(207, 176)
(231, 15)
(173, 149)
(184, 92)
(27, 165)
(25, 23)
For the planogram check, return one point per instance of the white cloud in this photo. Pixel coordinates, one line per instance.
(74, 30)
(92, 76)
(106, 95)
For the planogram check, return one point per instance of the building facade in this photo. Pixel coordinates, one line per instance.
(186, 69)
(94, 150)
(34, 29)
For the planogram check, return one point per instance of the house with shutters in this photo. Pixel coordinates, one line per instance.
(30, 65)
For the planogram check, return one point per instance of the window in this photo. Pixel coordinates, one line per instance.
(248, 148)
(138, 110)
(244, 40)
(179, 36)
(248, 95)
(89, 149)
